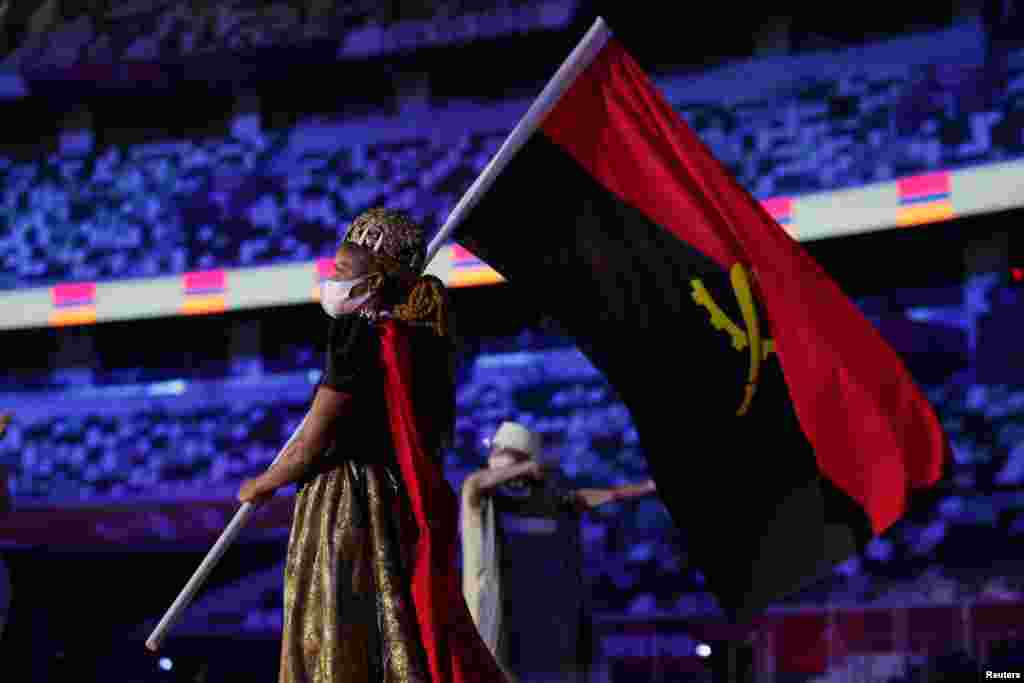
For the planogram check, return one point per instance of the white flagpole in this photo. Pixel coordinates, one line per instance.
(227, 537)
(578, 60)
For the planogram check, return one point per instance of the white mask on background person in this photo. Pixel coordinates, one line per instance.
(336, 296)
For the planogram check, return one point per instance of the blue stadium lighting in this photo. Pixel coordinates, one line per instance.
(165, 664)
(703, 650)
(173, 388)
(505, 360)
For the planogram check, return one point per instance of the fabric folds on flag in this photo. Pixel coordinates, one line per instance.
(782, 430)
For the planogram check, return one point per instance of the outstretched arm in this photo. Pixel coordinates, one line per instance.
(588, 499)
(328, 407)
(480, 483)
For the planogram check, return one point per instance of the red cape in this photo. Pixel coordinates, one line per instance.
(455, 651)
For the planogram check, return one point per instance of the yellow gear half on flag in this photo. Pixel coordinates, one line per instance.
(741, 339)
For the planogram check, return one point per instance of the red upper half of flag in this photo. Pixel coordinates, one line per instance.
(874, 433)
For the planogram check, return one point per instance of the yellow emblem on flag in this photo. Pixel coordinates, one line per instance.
(741, 339)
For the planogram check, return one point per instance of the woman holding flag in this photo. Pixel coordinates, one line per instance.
(641, 274)
(371, 588)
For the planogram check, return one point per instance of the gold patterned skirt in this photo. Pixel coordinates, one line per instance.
(348, 611)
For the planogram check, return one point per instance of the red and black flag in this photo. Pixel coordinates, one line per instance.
(783, 432)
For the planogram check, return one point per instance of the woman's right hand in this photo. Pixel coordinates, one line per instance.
(253, 491)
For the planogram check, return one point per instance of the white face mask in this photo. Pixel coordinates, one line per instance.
(335, 296)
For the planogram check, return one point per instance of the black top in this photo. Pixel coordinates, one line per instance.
(353, 356)
(353, 366)
(542, 564)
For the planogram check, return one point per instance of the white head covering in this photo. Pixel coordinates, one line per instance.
(517, 437)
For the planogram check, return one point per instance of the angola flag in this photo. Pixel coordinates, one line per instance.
(781, 429)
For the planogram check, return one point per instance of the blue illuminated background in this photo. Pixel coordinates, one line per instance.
(91, 437)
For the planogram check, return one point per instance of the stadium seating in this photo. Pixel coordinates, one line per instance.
(260, 197)
(175, 446)
(101, 34)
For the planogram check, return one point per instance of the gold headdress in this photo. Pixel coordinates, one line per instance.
(392, 234)
(400, 247)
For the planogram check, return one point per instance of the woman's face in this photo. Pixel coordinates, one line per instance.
(348, 264)
(351, 263)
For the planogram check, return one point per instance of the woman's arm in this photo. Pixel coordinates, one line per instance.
(328, 406)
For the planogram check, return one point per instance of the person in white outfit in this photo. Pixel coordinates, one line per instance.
(522, 574)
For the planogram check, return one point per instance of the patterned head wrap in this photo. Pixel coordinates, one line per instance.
(392, 234)
(399, 247)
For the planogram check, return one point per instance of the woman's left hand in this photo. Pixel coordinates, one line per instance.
(253, 491)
